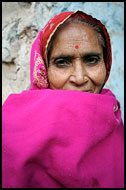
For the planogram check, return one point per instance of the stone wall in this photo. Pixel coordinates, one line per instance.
(21, 22)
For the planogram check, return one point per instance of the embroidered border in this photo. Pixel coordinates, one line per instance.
(39, 73)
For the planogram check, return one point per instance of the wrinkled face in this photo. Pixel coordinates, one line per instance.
(76, 60)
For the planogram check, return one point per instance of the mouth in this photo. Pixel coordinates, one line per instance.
(89, 91)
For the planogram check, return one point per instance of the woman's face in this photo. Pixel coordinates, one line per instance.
(76, 60)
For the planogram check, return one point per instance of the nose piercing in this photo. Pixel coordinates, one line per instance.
(85, 79)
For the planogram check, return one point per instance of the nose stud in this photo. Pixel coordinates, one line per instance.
(85, 79)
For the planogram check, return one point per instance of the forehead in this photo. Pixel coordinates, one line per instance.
(75, 34)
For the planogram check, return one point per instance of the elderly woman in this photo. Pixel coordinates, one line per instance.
(66, 131)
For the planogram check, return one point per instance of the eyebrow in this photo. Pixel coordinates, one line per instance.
(69, 57)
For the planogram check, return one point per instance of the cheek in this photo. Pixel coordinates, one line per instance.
(57, 78)
(98, 75)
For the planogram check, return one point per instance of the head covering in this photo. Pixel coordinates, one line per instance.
(38, 74)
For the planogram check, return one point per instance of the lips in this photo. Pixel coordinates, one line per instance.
(90, 91)
(86, 90)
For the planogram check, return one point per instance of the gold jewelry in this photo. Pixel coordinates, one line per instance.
(85, 79)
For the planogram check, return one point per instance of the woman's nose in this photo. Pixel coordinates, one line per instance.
(78, 75)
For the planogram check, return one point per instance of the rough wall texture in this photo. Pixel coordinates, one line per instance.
(21, 22)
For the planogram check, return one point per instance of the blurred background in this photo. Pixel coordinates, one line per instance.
(22, 21)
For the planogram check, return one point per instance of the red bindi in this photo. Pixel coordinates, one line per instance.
(76, 46)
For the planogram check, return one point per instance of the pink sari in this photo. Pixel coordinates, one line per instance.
(61, 138)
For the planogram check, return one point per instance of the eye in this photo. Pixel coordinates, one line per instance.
(61, 63)
(93, 60)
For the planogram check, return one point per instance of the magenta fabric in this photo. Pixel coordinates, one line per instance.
(62, 139)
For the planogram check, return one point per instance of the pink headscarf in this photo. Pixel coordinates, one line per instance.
(61, 138)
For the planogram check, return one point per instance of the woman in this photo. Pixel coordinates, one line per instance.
(66, 131)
